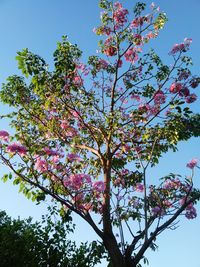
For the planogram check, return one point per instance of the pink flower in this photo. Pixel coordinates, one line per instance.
(75, 114)
(124, 100)
(55, 158)
(135, 97)
(50, 152)
(131, 55)
(191, 98)
(191, 212)
(78, 180)
(119, 182)
(137, 39)
(184, 74)
(41, 165)
(172, 184)
(182, 47)
(144, 107)
(194, 82)
(99, 186)
(78, 81)
(193, 163)
(83, 68)
(159, 98)
(73, 157)
(139, 188)
(16, 148)
(137, 22)
(187, 41)
(110, 51)
(102, 64)
(71, 132)
(120, 15)
(167, 203)
(4, 135)
(175, 88)
(184, 92)
(151, 35)
(64, 124)
(153, 110)
(157, 211)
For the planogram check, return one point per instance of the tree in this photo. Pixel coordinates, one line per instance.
(24, 243)
(87, 133)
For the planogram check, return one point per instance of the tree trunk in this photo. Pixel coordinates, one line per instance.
(117, 259)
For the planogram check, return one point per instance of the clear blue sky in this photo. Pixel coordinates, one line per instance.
(38, 25)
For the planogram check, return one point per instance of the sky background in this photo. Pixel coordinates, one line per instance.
(38, 25)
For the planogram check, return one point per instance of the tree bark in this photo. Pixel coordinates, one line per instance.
(117, 259)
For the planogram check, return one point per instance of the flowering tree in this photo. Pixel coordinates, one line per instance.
(85, 134)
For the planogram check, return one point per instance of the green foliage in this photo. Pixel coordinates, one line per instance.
(139, 8)
(28, 244)
(65, 56)
(15, 91)
(29, 63)
(104, 4)
(160, 21)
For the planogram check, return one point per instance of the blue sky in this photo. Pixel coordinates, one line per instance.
(38, 25)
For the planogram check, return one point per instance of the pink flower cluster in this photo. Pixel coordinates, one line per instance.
(48, 159)
(172, 184)
(120, 181)
(70, 131)
(41, 165)
(78, 81)
(137, 22)
(139, 187)
(158, 211)
(159, 98)
(4, 135)
(191, 212)
(109, 47)
(175, 88)
(137, 39)
(194, 82)
(16, 148)
(131, 55)
(120, 15)
(183, 91)
(192, 164)
(83, 68)
(149, 110)
(77, 181)
(73, 157)
(191, 98)
(183, 47)
(50, 152)
(102, 64)
(99, 186)
(184, 75)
